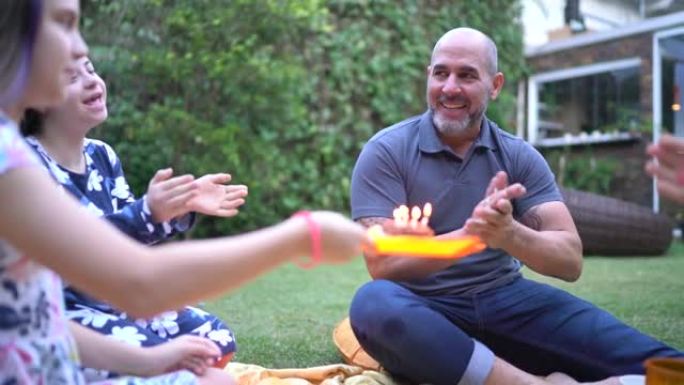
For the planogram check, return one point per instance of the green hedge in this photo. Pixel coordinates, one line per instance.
(281, 94)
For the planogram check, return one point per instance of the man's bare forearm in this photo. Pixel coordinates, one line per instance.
(548, 249)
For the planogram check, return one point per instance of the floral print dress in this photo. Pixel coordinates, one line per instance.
(103, 190)
(35, 344)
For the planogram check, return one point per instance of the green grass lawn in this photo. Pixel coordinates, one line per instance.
(286, 318)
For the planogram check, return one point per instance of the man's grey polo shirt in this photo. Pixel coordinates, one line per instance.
(408, 164)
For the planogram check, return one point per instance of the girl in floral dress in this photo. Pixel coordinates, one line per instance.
(36, 346)
(91, 171)
(44, 232)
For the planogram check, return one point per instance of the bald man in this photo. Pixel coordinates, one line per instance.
(477, 320)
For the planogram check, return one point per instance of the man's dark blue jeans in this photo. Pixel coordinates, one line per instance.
(538, 328)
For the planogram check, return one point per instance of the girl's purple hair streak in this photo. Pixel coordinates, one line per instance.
(17, 37)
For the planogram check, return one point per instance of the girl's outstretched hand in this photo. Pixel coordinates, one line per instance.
(216, 197)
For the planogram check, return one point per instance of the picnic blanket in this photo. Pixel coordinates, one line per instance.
(338, 374)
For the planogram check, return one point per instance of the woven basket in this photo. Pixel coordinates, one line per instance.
(609, 226)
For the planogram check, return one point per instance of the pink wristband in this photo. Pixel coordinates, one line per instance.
(315, 234)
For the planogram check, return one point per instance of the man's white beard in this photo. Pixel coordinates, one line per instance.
(450, 127)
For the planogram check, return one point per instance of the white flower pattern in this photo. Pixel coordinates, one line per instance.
(88, 159)
(221, 337)
(94, 209)
(111, 155)
(59, 174)
(128, 334)
(165, 324)
(94, 181)
(121, 189)
(203, 330)
(88, 317)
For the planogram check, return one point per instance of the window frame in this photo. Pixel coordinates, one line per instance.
(538, 79)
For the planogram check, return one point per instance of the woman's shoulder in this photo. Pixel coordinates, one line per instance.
(14, 152)
(9, 132)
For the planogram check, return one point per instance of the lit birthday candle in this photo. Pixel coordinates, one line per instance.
(415, 216)
(427, 212)
(403, 219)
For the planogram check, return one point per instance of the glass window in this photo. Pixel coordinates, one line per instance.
(603, 102)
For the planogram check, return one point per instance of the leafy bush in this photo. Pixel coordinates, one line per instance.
(282, 94)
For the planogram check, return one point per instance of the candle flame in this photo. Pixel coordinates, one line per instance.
(415, 213)
(403, 216)
(427, 210)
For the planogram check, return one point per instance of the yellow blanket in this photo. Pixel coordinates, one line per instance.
(339, 374)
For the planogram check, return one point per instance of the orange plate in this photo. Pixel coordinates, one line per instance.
(426, 247)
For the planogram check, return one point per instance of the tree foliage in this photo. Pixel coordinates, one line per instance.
(280, 93)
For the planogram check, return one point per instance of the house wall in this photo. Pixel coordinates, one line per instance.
(629, 181)
(542, 19)
(632, 46)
